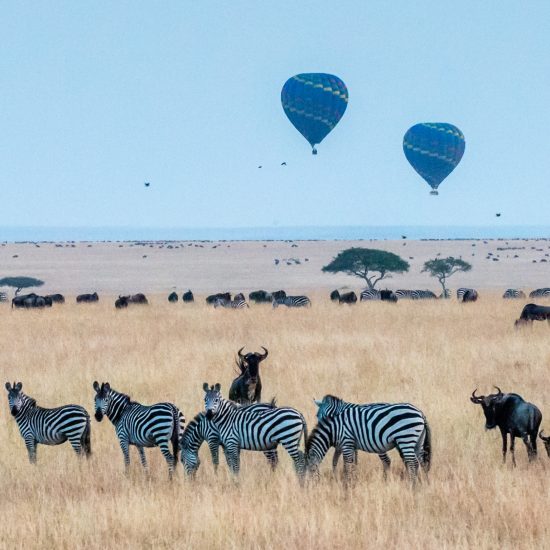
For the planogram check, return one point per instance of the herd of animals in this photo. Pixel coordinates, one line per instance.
(530, 313)
(243, 422)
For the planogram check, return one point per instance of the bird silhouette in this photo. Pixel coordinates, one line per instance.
(260, 166)
(283, 163)
(147, 184)
(497, 214)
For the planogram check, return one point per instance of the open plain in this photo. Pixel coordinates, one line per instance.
(431, 354)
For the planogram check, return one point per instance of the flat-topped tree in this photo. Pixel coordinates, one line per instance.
(21, 282)
(443, 268)
(369, 264)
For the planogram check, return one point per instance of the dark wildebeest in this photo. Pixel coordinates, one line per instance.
(388, 295)
(187, 297)
(532, 312)
(121, 302)
(138, 298)
(48, 302)
(335, 296)
(546, 440)
(213, 298)
(469, 296)
(29, 300)
(260, 297)
(247, 387)
(347, 298)
(173, 297)
(56, 298)
(87, 298)
(514, 416)
(278, 295)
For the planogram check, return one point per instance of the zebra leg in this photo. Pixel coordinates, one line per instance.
(31, 450)
(215, 454)
(76, 444)
(273, 458)
(350, 455)
(386, 463)
(335, 458)
(142, 458)
(412, 463)
(165, 450)
(233, 458)
(124, 445)
(298, 458)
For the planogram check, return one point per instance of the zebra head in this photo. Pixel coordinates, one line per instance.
(102, 399)
(329, 406)
(15, 397)
(212, 399)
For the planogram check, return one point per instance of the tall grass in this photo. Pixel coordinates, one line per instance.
(430, 354)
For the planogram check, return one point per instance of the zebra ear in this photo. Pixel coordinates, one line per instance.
(107, 386)
(96, 386)
(317, 402)
(18, 386)
(8, 386)
(205, 386)
(218, 387)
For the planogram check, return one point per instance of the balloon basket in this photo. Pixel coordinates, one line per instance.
(314, 151)
(434, 192)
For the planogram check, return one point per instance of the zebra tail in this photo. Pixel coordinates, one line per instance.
(177, 432)
(86, 439)
(426, 451)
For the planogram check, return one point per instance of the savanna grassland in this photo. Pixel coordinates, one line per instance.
(431, 354)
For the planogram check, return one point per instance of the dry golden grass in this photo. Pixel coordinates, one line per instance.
(431, 354)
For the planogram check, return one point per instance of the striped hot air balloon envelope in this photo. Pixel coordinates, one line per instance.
(314, 103)
(434, 150)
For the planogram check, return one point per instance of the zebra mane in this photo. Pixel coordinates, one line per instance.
(321, 427)
(28, 399)
(333, 399)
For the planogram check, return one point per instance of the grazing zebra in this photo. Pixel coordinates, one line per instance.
(49, 426)
(374, 428)
(415, 294)
(292, 301)
(140, 425)
(370, 294)
(3, 297)
(513, 293)
(466, 295)
(242, 428)
(540, 293)
(201, 429)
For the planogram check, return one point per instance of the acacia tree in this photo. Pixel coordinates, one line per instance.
(443, 268)
(19, 283)
(367, 263)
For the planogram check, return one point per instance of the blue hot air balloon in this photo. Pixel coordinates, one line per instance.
(314, 103)
(434, 150)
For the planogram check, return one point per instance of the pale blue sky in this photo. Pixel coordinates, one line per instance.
(98, 97)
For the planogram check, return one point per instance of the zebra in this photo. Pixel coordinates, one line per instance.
(140, 425)
(466, 295)
(201, 429)
(292, 301)
(513, 293)
(242, 428)
(540, 293)
(374, 428)
(49, 426)
(3, 297)
(238, 302)
(370, 294)
(415, 294)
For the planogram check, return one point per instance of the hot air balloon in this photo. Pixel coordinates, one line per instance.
(434, 150)
(314, 103)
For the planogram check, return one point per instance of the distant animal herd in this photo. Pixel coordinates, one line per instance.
(530, 313)
(244, 422)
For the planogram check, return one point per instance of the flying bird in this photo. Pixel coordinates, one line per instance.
(497, 214)
(260, 166)
(283, 163)
(147, 184)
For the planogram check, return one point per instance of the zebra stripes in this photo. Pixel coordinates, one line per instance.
(49, 426)
(3, 297)
(540, 293)
(513, 293)
(292, 301)
(374, 428)
(415, 294)
(230, 304)
(140, 425)
(242, 428)
(201, 429)
(370, 294)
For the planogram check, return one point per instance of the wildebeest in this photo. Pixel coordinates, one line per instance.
(87, 298)
(388, 295)
(121, 302)
(138, 298)
(348, 298)
(546, 440)
(211, 300)
(278, 295)
(30, 300)
(187, 297)
(173, 297)
(335, 296)
(533, 312)
(247, 387)
(260, 297)
(56, 298)
(513, 415)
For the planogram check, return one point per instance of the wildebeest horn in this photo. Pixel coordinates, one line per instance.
(240, 352)
(263, 355)
(542, 437)
(475, 398)
(498, 389)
